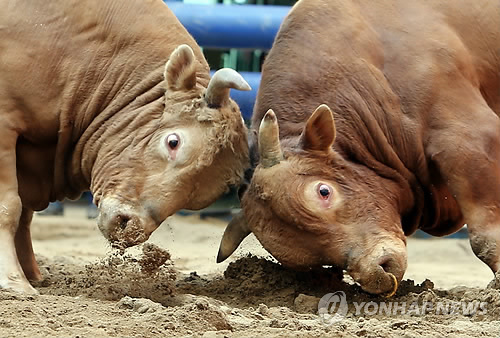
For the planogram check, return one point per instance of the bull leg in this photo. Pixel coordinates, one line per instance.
(24, 248)
(467, 153)
(11, 274)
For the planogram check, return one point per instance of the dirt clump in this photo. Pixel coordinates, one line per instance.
(252, 281)
(153, 258)
(150, 276)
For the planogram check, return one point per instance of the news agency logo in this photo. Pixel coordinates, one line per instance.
(332, 307)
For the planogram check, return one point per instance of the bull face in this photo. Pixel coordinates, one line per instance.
(309, 207)
(183, 159)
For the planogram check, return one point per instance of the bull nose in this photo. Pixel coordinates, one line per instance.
(122, 226)
(377, 281)
(394, 270)
(123, 230)
(379, 274)
(123, 221)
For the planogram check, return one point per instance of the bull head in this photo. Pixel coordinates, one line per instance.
(270, 154)
(316, 208)
(182, 153)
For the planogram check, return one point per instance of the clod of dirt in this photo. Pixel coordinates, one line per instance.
(306, 304)
(251, 271)
(408, 285)
(140, 305)
(253, 281)
(153, 257)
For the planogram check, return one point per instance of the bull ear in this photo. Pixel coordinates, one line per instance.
(180, 70)
(319, 132)
(218, 88)
(234, 234)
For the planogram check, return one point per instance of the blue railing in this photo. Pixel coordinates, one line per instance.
(235, 26)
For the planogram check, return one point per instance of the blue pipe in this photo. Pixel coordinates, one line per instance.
(234, 26)
(246, 100)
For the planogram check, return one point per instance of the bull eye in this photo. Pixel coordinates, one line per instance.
(324, 191)
(173, 141)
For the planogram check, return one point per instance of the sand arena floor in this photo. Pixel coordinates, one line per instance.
(90, 291)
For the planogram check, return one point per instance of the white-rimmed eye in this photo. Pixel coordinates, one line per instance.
(324, 191)
(173, 141)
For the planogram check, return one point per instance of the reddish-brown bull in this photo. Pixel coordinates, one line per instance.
(88, 99)
(409, 137)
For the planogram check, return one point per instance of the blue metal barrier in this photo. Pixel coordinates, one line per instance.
(235, 26)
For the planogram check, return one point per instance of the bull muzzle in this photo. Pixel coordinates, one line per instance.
(381, 271)
(124, 225)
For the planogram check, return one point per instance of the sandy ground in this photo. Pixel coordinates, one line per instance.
(90, 291)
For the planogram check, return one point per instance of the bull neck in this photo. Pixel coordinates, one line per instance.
(85, 130)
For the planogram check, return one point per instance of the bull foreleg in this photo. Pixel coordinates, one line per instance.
(481, 210)
(24, 248)
(11, 273)
(466, 149)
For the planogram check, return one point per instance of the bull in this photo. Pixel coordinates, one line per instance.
(375, 119)
(115, 97)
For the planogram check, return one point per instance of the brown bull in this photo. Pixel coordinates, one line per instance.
(88, 100)
(408, 137)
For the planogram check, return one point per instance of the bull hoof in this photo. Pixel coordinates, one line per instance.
(495, 283)
(18, 284)
(34, 277)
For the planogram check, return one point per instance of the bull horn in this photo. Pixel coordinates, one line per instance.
(269, 141)
(218, 88)
(234, 234)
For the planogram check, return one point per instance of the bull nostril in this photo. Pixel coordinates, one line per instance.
(123, 221)
(386, 264)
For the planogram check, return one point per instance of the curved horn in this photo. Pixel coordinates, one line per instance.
(218, 88)
(269, 141)
(234, 234)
